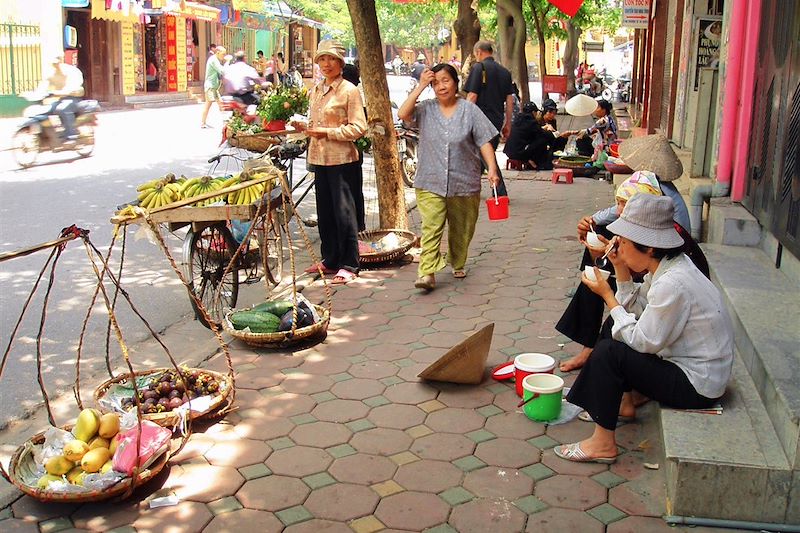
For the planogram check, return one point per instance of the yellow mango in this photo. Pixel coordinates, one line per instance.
(44, 481)
(94, 460)
(109, 465)
(75, 449)
(87, 424)
(98, 442)
(112, 447)
(109, 425)
(76, 476)
(58, 466)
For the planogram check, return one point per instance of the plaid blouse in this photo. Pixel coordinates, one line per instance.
(339, 107)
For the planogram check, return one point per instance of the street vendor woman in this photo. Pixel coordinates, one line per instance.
(336, 119)
(672, 338)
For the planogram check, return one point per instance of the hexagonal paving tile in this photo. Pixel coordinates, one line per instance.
(571, 521)
(318, 526)
(498, 482)
(27, 508)
(381, 441)
(186, 516)
(204, 483)
(373, 369)
(320, 434)
(397, 416)
(358, 388)
(324, 365)
(641, 497)
(195, 446)
(443, 446)
(428, 476)
(512, 453)
(575, 492)
(514, 425)
(103, 516)
(453, 420)
(410, 393)
(258, 378)
(413, 511)
(487, 515)
(340, 411)
(466, 397)
(306, 383)
(362, 469)
(273, 493)
(342, 502)
(299, 461)
(288, 404)
(238, 453)
(244, 520)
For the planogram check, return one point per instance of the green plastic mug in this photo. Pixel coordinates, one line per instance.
(542, 396)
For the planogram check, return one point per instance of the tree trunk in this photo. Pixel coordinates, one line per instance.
(539, 22)
(570, 58)
(467, 27)
(391, 198)
(512, 34)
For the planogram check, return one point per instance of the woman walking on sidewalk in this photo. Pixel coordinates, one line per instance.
(453, 135)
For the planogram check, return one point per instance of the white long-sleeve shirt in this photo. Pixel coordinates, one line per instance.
(681, 318)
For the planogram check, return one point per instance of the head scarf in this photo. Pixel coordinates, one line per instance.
(642, 181)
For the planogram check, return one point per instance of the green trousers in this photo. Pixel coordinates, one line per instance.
(460, 213)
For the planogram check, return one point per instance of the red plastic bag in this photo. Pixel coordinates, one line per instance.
(154, 441)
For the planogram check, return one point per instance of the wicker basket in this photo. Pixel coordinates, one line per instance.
(573, 162)
(407, 241)
(22, 461)
(279, 338)
(169, 418)
(254, 142)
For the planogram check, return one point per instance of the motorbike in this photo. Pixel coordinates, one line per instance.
(240, 108)
(584, 86)
(617, 89)
(407, 141)
(42, 131)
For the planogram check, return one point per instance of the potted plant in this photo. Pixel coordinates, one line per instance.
(281, 103)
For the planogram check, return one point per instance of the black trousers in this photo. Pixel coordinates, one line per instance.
(583, 316)
(537, 152)
(337, 214)
(615, 368)
(501, 187)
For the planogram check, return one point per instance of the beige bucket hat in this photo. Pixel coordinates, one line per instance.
(329, 47)
(648, 220)
(580, 105)
(653, 153)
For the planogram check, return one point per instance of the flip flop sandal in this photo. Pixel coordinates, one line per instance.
(621, 420)
(460, 273)
(573, 452)
(343, 277)
(317, 267)
(427, 282)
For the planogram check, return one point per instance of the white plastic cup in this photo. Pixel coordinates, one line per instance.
(589, 271)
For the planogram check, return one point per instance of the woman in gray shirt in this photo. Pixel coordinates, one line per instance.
(453, 135)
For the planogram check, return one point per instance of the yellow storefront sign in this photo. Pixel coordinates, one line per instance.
(180, 42)
(254, 6)
(128, 62)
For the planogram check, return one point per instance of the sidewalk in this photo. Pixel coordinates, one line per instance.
(343, 436)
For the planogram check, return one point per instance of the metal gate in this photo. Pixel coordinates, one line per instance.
(773, 187)
(20, 58)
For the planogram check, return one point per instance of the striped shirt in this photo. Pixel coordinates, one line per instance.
(338, 107)
(449, 148)
(682, 319)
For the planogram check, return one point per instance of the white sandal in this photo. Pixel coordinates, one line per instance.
(573, 452)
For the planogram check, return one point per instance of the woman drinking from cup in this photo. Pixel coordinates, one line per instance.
(672, 338)
(453, 135)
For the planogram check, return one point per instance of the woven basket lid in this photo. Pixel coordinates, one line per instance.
(465, 362)
(653, 153)
(580, 105)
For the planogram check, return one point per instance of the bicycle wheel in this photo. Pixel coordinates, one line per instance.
(272, 247)
(207, 253)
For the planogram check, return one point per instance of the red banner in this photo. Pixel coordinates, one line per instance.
(568, 7)
(554, 84)
(172, 55)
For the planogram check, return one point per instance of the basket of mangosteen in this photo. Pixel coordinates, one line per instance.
(164, 393)
(277, 323)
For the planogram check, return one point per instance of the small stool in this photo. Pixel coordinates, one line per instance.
(515, 164)
(558, 172)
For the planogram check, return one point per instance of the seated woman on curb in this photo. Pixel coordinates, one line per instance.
(528, 141)
(672, 338)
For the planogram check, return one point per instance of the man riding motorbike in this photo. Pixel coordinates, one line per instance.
(240, 79)
(66, 82)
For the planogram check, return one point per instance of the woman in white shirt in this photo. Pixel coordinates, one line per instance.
(672, 338)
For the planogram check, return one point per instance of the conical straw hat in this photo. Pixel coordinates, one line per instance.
(580, 105)
(653, 153)
(465, 362)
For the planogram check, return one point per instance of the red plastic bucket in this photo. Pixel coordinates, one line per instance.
(498, 207)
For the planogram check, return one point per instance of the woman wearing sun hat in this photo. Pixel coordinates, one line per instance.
(672, 338)
(336, 119)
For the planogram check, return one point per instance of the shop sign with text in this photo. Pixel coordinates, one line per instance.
(635, 13)
(172, 55)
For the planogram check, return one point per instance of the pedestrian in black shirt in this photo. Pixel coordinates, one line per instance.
(489, 87)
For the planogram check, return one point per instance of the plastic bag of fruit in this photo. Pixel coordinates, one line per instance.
(154, 440)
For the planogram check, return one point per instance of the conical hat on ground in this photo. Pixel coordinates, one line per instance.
(580, 105)
(653, 153)
(465, 362)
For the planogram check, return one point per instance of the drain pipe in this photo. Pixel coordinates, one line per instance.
(733, 524)
(738, 67)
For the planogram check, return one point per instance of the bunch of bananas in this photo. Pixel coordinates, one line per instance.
(159, 192)
(202, 185)
(248, 195)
